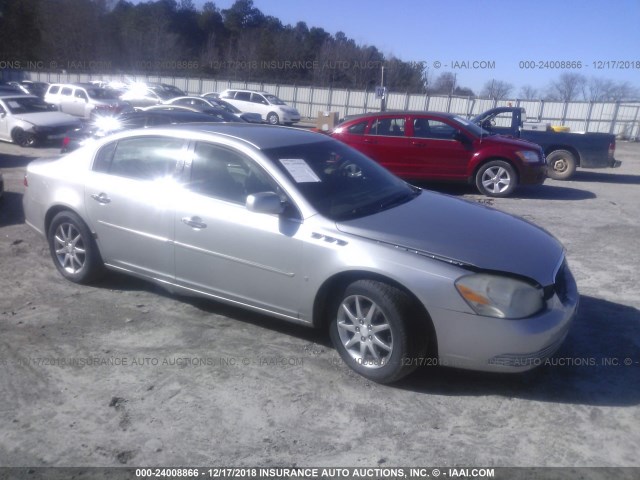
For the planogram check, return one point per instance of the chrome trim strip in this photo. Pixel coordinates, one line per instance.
(235, 259)
(201, 250)
(211, 295)
(136, 232)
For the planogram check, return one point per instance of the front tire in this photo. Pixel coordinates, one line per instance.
(73, 249)
(273, 119)
(496, 179)
(370, 330)
(562, 165)
(22, 138)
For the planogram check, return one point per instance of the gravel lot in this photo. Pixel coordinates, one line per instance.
(121, 373)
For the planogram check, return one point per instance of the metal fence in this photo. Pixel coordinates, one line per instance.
(621, 119)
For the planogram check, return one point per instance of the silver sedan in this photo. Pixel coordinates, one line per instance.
(299, 226)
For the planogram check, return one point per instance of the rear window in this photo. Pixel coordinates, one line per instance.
(358, 128)
(142, 158)
(54, 89)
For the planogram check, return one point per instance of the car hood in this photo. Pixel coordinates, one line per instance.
(48, 119)
(459, 231)
(510, 141)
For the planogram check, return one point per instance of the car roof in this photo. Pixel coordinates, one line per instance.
(351, 118)
(169, 113)
(7, 96)
(261, 92)
(263, 137)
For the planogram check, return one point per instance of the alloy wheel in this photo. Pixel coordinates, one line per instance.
(365, 331)
(69, 247)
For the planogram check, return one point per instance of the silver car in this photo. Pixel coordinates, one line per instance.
(299, 226)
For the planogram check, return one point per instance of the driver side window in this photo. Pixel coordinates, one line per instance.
(223, 173)
(428, 128)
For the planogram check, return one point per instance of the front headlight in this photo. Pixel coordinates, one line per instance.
(528, 156)
(500, 297)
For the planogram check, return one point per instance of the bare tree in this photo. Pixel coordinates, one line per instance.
(567, 88)
(444, 84)
(496, 89)
(527, 92)
(622, 91)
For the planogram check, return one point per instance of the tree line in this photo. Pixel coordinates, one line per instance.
(239, 43)
(174, 37)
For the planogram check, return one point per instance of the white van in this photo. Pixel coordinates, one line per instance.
(271, 108)
(85, 100)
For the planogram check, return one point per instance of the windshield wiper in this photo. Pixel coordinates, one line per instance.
(396, 200)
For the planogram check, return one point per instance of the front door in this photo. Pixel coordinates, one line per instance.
(224, 249)
(439, 150)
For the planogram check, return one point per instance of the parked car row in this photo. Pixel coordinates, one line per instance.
(56, 115)
(148, 117)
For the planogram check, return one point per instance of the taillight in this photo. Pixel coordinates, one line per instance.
(65, 141)
(25, 182)
(612, 149)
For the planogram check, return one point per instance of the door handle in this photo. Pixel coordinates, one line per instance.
(419, 144)
(101, 198)
(195, 222)
(369, 140)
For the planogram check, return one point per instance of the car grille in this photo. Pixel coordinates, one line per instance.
(59, 129)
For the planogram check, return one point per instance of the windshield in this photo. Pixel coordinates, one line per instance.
(102, 93)
(273, 100)
(471, 127)
(339, 182)
(227, 106)
(162, 93)
(18, 105)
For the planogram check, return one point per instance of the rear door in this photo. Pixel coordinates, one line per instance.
(387, 143)
(4, 122)
(129, 199)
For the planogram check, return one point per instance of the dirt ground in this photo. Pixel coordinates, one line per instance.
(121, 373)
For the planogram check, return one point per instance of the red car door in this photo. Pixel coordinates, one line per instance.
(438, 148)
(387, 143)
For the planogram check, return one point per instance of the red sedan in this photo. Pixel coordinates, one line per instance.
(441, 146)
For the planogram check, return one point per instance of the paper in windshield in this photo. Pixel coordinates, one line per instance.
(299, 170)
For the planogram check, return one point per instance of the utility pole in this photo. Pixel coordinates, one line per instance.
(383, 101)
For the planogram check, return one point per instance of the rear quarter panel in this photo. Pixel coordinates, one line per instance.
(55, 183)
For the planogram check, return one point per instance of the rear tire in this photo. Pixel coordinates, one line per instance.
(562, 165)
(73, 248)
(371, 330)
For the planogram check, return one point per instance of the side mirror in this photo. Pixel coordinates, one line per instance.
(486, 124)
(265, 202)
(460, 137)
